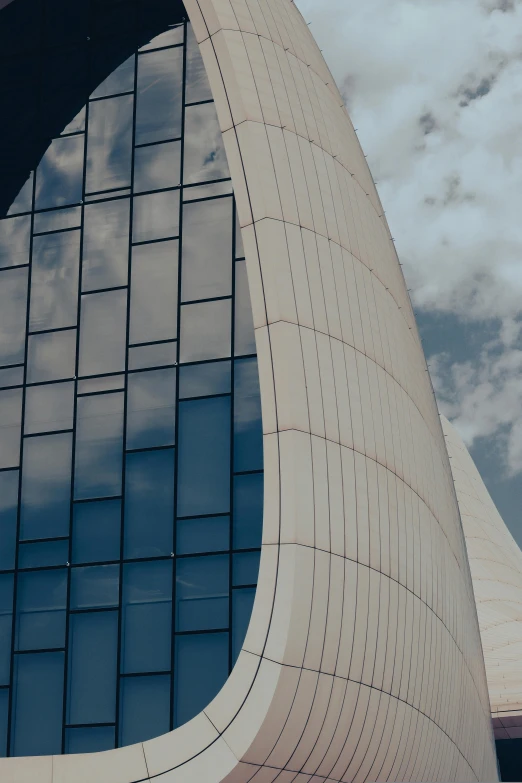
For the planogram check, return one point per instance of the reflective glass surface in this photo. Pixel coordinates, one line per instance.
(131, 465)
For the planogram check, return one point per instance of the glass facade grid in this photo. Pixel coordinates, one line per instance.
(131, 450)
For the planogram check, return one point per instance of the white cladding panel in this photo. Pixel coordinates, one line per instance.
(363, 659)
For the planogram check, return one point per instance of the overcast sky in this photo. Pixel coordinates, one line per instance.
(434, 88)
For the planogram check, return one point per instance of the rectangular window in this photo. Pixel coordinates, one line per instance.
(93, 660)
(248, 432)
(248, 511)
(54, 281)
(149, 504)
(154, 292)
(57, 220)
(89, 739)
(205, 331)
(8, 515)
(242, 604)
(204, 155)
(95, 587)
(96, 531)
(99, 446)
(203, 534)
(49, 408)
(105, 245)
(146, 617)
(244, 336)
(11, 376)
(144, 708)
(40, 609)
(109, 145)
(201, 671)
(202, 586)
(101, 384)
(43, 553)
(157, 166)
(6, 624)
(151, 409)
(52, 356)
(204, 457)
(204, 380)
(159, 95)
(37, 704)
(59, 176)
(46, 487)
(245, 569)
(10, 427)
(207, 250)
(144, 357)
(13, 307)
(197, 87)
(15, 237)
(103, 333)
(156, 216)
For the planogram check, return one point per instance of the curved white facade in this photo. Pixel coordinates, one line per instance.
(496, 569)
(363, 659)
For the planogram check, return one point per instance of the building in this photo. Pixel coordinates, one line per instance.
(362, 659)
(496, 570)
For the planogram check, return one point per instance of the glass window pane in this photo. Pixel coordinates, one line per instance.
(43, 553)
(104, 383)
(156, 216)
(204, 457)
(146, 617)
(144, 708)
(205, 534)
(204, 380)
(6, 624)
(242, 605)
(59, 177)
(201, 671)
(92, 739)
(57, 220)
(160, 89)
(76, 125)
(158, 355)
(51, 356)
(15, 237)
(151, 409)
(248, 511)
(244, 336)
(154, 292)
(196, 192)
(157, 167)
(10, 427)
(99, 446)
(49, 408)
(4, 718)
(40, 609)
(46, 487)
(248, 429)
(120, 80)
(245, 569)
(205, 331)
(54, 281)
(95, 587)
(106, 245)
(202, 586)
(204, 153)
(96, 531)
(11, 376)
(103, 333)
(37, 704)
(197, 87)
(8, 514)
(13, 307)
(93, 660)
(207, 250)
(109, 145)
(149, 504)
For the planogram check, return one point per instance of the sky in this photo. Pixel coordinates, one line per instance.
(434, 88)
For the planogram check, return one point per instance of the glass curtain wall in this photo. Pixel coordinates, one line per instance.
(131, 465)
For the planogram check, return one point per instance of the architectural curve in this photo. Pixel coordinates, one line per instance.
(496, 570)
(362, 660)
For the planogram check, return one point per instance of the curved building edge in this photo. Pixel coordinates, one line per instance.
(362, 659)
(496, 569)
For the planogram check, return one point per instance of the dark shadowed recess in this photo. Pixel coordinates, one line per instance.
(103, 33)
(509, 753)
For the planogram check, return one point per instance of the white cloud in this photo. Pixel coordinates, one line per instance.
(435, 88)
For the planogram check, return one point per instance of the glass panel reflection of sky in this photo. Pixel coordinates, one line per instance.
(131, 466)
